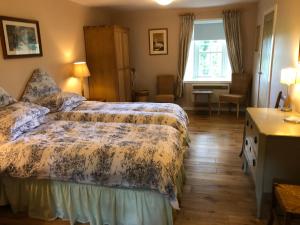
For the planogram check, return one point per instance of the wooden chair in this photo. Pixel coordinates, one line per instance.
(165, 89)
(238, 93)
(286, 197)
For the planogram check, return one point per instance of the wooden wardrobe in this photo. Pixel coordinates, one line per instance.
(107, 55)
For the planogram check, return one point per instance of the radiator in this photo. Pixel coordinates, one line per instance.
(217, 89)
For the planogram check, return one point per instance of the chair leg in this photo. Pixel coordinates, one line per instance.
(273, 205)
(271, 219)
(287, 219)
(237, 110)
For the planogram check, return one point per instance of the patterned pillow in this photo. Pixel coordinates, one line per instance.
(40, 85)
(62, 101)
(5, 98)
(15, 119)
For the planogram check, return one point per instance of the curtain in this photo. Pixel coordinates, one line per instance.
(186, 32)
(232, 29)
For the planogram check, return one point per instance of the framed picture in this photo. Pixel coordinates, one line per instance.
(158, 41)
(20, 38)
(257, 38)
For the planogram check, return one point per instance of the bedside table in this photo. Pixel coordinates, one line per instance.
(97, 99)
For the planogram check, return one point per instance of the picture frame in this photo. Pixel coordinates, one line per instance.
(20, 38)
(158, 41)
(257, 38)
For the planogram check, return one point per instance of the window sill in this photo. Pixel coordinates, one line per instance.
(207, 82)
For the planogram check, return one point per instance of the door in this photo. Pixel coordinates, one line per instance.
(266, 61)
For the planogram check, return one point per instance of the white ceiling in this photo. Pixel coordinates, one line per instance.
(142, 4)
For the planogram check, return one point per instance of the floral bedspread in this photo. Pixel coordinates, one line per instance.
(138, 113)
(106, 154)
(135, 106)
(135, 117)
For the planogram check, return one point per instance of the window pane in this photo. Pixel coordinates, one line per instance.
(208, 59)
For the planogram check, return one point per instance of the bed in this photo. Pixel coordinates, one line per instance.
(101, 173)
(42, 90)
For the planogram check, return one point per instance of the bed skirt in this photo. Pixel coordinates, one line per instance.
(49, 200)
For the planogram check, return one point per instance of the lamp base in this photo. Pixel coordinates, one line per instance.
(286, 109)
(82, 86)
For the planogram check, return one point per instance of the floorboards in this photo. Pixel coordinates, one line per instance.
(216, 191)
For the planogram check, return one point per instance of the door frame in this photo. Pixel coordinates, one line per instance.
(275, 10)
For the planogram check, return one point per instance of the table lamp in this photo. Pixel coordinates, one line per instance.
(288, 77)
(81, 71)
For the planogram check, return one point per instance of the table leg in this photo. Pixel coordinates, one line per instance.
(209, 104)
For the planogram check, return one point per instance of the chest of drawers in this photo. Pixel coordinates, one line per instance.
(271, 149)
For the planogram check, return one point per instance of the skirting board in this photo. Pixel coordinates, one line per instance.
(214, 109)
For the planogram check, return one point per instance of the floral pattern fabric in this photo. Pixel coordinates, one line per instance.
(18, 118)
(136, 117)
(107, 154)
(135, 106)
(5, 98)
(63, 101)
(40, 85)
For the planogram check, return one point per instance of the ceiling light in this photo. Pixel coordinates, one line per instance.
(164, 2)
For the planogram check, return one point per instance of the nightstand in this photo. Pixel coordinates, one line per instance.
(97, 99)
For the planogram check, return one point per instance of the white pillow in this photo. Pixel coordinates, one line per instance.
(63, 101)
(40, 85)
(18, 118)
(5, 98)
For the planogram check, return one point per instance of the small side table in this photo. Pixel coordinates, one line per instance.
(97, 99)
(207, 93)
(141, 96)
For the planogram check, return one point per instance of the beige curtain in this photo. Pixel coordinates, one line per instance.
(186, 32)
(232, 29)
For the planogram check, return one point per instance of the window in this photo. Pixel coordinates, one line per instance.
(208, 58)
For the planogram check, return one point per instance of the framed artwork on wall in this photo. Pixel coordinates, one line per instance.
(158, 41)
(20, 38)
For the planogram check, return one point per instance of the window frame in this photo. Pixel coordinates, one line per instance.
(207, 21)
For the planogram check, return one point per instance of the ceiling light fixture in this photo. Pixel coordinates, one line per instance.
(164, 2)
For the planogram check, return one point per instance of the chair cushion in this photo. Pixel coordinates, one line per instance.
(165, 98)
(231, 98)
(289, 197)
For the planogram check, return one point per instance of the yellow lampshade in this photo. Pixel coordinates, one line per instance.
(164, 2)
(288, 76)
(81, 70)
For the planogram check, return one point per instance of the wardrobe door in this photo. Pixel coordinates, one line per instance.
(127, 67)
(100, 56)
(123, 67)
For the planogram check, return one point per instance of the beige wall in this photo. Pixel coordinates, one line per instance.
(148, 67)
(286, 46)
(61, 25)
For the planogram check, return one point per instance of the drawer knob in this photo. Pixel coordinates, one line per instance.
(255, 140)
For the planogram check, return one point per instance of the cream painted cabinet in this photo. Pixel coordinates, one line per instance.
(271, 149)
(107, 55)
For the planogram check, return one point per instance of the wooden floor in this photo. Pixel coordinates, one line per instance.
(216, 190)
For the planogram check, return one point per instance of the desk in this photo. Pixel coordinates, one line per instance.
(205, 93)
(271, 149)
